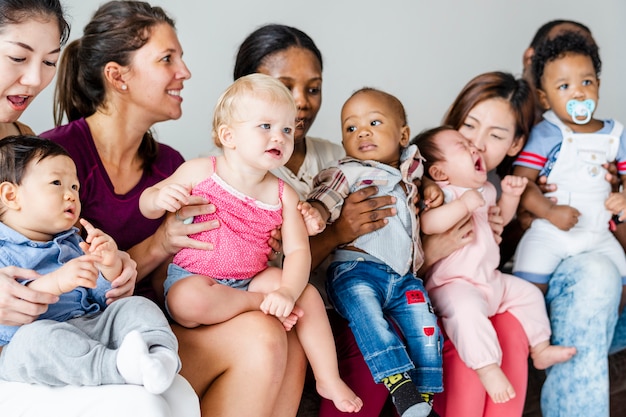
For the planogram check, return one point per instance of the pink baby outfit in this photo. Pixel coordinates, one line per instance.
(240, 242)
(466, 289)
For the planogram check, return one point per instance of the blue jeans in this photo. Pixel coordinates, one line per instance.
(368, 294)
(583, 299)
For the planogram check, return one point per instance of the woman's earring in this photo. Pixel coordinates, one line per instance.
(124, 87)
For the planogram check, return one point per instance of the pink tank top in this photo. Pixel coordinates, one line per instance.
(240, 243)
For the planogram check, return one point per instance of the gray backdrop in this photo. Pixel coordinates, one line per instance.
(421, 51)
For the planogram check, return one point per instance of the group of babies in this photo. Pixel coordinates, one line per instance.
(370, 280)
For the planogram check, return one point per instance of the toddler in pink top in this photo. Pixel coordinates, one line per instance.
(254, 125)
(466, 287)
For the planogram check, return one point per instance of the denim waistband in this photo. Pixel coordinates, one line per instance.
(344, 255)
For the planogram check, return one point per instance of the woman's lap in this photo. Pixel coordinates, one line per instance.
(583, 299)
(244, 357)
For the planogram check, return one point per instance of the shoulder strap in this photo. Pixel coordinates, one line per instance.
(281, 187)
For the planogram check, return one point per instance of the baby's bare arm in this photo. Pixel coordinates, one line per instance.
(297, 263)
(441, 219)
(103, 245)
(512, 188)
(562, 216)
(78, 272)
(172, 193)
(154, 201)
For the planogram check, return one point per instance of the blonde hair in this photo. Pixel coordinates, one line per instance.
(227, 109)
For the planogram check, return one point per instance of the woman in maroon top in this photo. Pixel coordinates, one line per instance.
(125, 74)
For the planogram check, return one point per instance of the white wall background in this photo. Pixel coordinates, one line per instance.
(421, 51)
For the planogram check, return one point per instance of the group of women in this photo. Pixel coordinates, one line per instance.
(124, 75)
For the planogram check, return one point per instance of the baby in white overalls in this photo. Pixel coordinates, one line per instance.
(571, 148)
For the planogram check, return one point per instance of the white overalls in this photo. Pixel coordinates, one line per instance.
(581, 183)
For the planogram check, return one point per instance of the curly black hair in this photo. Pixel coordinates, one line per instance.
(568, 42)
(542, 33)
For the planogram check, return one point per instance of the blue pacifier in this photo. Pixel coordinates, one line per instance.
(577, 109)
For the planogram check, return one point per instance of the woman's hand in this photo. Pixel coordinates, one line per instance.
(171, 236)
(19, 304)
(276, 243)
(177, 230)
(496, 222)
(124, 285)
(362, 213)
(542, 182)
(612, 176)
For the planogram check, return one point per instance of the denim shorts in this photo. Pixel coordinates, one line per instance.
(175, 273)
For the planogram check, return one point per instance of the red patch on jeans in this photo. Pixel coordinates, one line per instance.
(415, 297)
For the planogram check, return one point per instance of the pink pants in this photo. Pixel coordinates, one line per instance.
(464, 394)
(464, 308)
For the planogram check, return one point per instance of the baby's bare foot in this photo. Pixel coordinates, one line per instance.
(289, 321)
(340, 394)
(496, 383)
(547, 355)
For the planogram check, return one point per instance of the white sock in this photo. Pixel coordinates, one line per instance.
(159, 368)
(129, 354)
(154, 369)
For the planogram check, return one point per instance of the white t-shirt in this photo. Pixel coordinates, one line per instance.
(320, 154)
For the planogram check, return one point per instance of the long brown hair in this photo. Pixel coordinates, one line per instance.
(516, 91)
(114, 33)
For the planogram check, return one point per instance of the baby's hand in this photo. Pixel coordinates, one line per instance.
(312, 218)
(514, 185)
(563, 217)
(616, 204)
(172, 197)
(99, 243)
(78, 272)
(278, 303)
(472, 200)
(433, 196)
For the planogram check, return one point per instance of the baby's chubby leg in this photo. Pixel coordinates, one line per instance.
(318, 343)
(316, 338)
(267, 281)
(199, 300)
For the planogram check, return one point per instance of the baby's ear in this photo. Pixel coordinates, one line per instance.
(436, 173)
(516, 146)
(405, 136)
(543, 100)
(225, 135)
(527, 58)
(8, 195)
